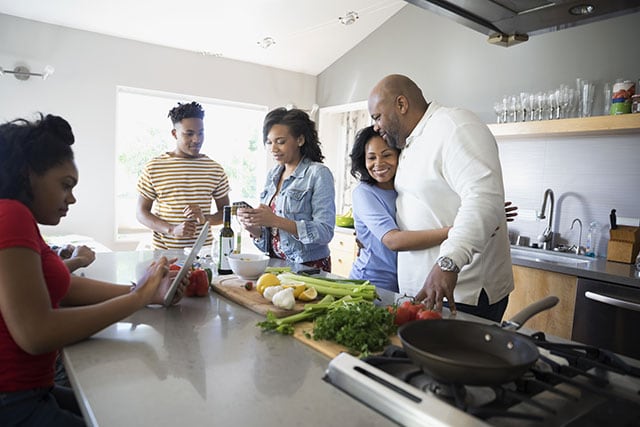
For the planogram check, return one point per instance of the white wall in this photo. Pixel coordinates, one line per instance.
(456, 66)
(89, 67)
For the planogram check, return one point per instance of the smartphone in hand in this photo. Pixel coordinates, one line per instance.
(242, 205)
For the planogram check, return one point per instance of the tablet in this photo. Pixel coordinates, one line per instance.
(188, 263)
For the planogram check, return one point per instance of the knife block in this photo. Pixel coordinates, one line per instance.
(624, 244)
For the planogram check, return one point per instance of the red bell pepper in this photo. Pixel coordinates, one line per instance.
(198, 284)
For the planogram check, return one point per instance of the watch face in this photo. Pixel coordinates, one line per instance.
(447, 264)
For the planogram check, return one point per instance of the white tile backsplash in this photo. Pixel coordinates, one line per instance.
(589, 176)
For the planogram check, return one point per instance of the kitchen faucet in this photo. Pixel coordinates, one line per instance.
(579, 235)
(547, 237)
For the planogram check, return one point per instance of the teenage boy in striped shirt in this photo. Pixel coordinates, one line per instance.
(180, 185)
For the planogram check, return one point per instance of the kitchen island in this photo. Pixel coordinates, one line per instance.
(202, 362)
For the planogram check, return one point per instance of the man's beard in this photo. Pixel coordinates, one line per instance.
(393, 141)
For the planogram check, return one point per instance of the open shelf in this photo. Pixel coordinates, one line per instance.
(598, 125)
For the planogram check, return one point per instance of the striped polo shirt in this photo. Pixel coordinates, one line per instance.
(173, 183)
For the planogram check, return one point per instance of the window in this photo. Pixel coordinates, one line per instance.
(233, 138)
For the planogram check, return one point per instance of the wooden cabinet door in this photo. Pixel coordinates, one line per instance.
(531, 285)
(343, 251)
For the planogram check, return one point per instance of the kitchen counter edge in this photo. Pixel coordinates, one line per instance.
(598, 269)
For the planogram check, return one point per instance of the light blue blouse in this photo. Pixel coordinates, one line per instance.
(374, 212)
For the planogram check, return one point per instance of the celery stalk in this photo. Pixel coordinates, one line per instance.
(333, 287)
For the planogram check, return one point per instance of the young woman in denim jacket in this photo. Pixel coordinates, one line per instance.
(296, 216)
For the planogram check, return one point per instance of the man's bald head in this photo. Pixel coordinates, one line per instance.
(396, 105)
(395, 85)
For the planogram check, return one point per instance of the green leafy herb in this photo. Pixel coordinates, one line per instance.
(360, 326)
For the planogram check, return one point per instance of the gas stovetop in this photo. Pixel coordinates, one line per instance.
(569, 385)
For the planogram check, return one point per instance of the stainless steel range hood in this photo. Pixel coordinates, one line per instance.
(508, 22)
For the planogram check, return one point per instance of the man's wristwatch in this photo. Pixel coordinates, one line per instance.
(446, 264)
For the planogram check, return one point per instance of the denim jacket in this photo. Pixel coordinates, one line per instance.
(308, 198)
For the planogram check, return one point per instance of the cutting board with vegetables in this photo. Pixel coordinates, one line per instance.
(233, 288)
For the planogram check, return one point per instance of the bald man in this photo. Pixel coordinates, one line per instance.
(449, 173)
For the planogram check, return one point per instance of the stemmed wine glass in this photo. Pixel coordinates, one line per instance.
(514, 108)
(525, 105)
(541, 105)
(552, 104)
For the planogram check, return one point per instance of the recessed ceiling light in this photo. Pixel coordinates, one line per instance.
(582, 9)
(266, 42)
(349, 18)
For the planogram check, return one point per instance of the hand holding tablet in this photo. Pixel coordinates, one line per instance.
(202, 237)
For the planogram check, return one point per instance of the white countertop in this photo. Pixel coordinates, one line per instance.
(203, 362)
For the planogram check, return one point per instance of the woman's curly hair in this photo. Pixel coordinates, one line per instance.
(35, 146)
(298, 123)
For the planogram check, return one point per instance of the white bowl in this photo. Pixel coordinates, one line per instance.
(248, 266)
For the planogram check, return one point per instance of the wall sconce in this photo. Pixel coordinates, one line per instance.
(266, 42)
(349, 18)
(22, 72)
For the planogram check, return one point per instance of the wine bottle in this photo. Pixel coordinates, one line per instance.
(226, 242)
(235, 224)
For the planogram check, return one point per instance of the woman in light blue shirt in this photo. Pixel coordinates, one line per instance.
(296, 216)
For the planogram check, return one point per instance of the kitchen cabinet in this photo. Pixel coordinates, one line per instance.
(532, 284)
(343, 251)
(598, 125)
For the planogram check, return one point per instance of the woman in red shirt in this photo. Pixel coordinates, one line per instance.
(43, 307)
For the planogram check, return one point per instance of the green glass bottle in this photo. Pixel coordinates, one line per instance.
(226, 242)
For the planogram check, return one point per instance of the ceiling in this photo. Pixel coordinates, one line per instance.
(308, 34)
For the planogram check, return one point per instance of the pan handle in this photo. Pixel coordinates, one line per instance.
(528, 312)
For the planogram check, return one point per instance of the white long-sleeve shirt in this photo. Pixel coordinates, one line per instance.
(449, 174)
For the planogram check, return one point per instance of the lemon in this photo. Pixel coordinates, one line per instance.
(298, 288)
(266, 280)
(308, 295)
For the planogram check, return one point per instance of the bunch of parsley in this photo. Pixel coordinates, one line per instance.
(360, 326)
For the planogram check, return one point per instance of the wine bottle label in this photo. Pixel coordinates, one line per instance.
(226, 247)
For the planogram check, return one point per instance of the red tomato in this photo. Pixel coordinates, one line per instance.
(412, 308)
(428, 315)
(174, 267)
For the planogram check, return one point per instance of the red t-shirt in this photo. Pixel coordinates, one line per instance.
(18, 369)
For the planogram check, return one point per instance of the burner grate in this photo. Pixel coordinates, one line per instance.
(568, 382)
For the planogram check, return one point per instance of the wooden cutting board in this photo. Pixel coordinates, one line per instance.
(232, 287)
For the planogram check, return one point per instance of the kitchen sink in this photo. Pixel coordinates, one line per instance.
(541, 255)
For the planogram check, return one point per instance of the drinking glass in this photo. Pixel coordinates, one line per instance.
(573, 103)
(498, 108)
(579, 86)
(607, 99)
(588, 90)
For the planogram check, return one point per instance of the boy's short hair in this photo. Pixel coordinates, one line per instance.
(186, 111)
